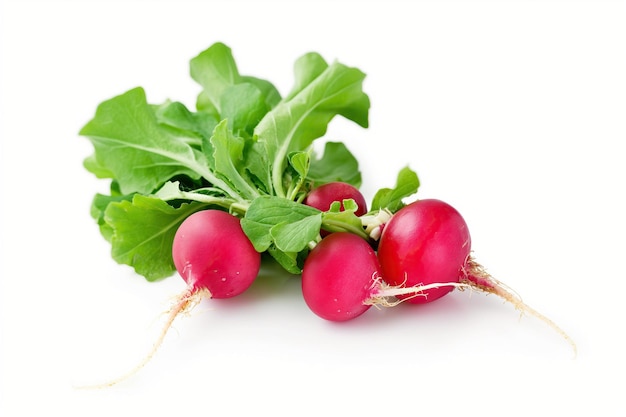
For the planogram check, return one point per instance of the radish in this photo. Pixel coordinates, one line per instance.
(341, 279)
(216, 260)
(424, 243)
(427, 243)
(323, 196)
(212, 254)
(338, 277)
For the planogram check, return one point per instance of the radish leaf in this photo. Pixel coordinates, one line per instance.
(336, 164)
(142, 232)
(303, 117)
(142, 155)
(407, 184)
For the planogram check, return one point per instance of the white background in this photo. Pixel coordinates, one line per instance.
(512, 111)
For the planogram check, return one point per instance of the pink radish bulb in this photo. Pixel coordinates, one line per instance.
(425, 242)
(325, 195)
(340, 276)
(212, 252)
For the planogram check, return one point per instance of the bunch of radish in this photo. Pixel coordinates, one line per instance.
(208, 192)
(417, 255)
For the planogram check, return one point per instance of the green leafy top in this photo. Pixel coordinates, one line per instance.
(244, 149)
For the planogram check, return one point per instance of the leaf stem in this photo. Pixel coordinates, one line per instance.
(213, 179)
(277, 170)
(341, 226)
(293, 193)
(239, 207)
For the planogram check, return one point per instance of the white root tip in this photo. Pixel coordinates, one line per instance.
(476, 277)
(183, 304)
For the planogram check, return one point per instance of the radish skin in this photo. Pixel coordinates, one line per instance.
(423, 243)
(338, 277)
(323, 196)
(211, 252)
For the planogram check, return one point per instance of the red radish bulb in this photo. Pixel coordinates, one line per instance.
(211, 252)
(425, 242)
(325, 195)
(339, 277)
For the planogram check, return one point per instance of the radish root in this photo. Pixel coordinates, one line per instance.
(473, 277)
(384, 295)
(476, 277)
(184, 303)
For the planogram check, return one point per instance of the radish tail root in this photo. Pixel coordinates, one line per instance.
(385, 295)
(475, 276)
(183, 304)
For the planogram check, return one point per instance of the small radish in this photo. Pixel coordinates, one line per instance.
(341, 278)
(427, 243)
(216, 260)
(323, 196)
